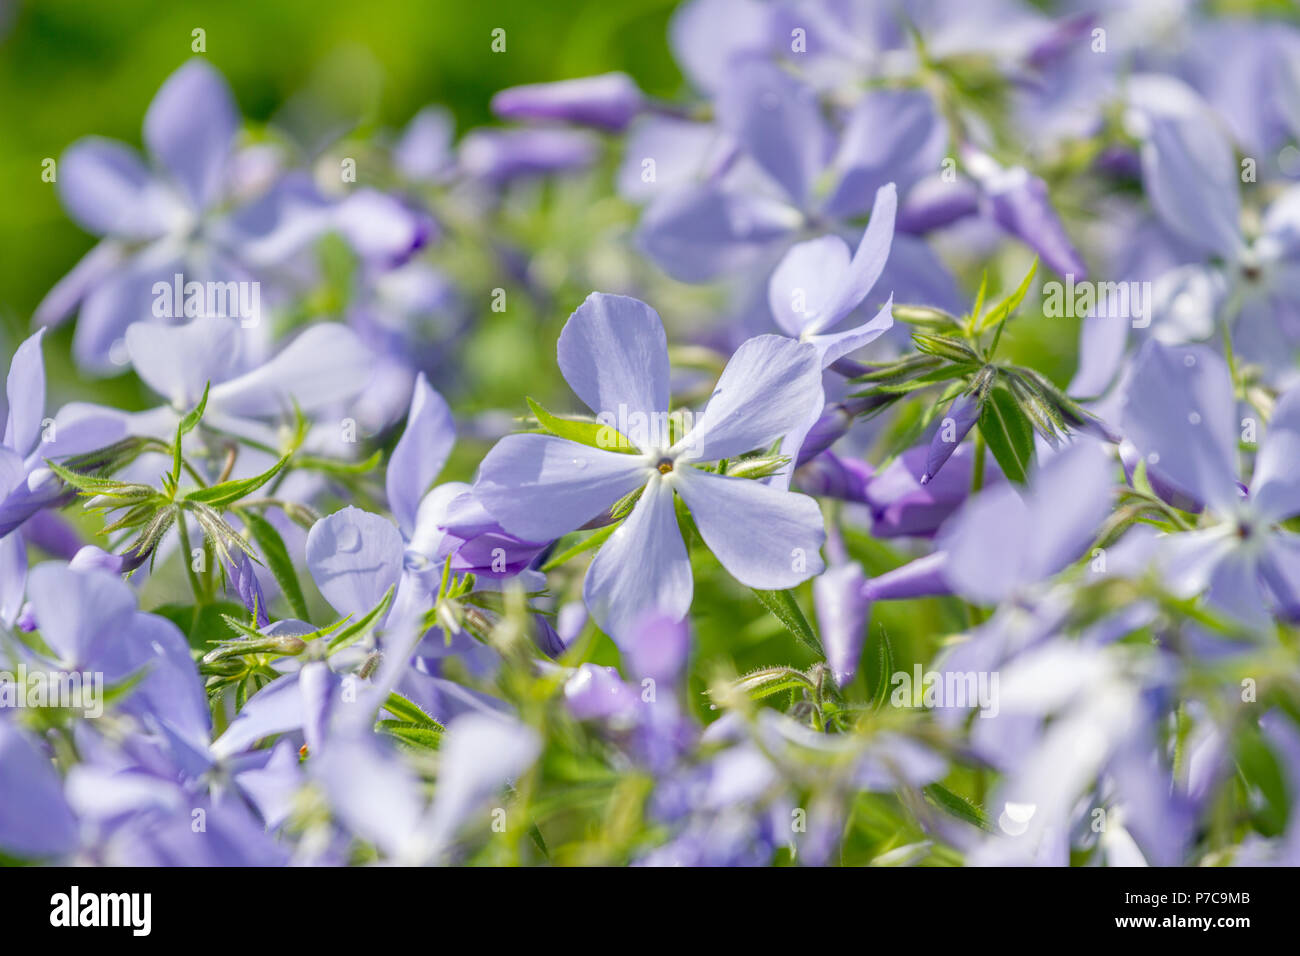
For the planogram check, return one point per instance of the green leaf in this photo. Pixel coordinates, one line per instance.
(1009, 434)
(945, 346)
(412, 734)
(934, 376)
(186, 425)
(341, 468)
(275, 553)
(352, 632)
(108, 487)
(1002, 311)
(886, 665)
(786, 609)
(772, 680)
(958, 806)
(583, 432)
(408, 712)
(228, 492)
(194, 415)
(593, 540)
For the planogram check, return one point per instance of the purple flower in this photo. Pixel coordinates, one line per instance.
(1180, 414)
(609, 101)
(962, 415)
(157, 221)
(817, 285)
(35, 819)
(498, 156)
(27, 486)
(842, 612)
(903, 502)
(613, 353)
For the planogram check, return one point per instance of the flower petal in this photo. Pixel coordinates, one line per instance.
(642, 569)
(77, 611)
(1275, 486)
(25, 389)
(35, 819)
(540, 487)
(804, 282)
(420, 453)
(771, 386)
(190, 127)
(765, 537)
(109, 192)
(1180, 414)
(867, 264)
(614, 354)
(178, 361)
(777, 120)
(327, 363)
(354, 557)
(834, 346)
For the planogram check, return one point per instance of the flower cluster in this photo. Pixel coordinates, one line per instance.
(946, 511)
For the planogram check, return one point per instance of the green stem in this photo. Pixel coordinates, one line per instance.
(187, 558)
(977, 474)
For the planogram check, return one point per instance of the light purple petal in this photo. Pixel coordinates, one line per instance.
(420, 453)
(25, 388)
(867, 264)
(765, 537)
(771, 386)
(891, 136)
(706, 34)
(479, 756)
(373, 793)
(178, 361)
(190, 127)
(78, 611)
(608, 101)
(1180, 414)
(275, 709)
(540, 487)
(92, 269)
(354, 557)
(1190, 176)
(804, 283)
(424, 152)
(1275, 487)
(13, 576)
(109, 192)
(642, 569)
(35, 820)
(835, 345)
(614, 354)
(327, 363)
(842, 612)
(777, 120)
(701, 232)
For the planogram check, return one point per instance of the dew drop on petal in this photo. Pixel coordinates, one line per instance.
(348, 539)
(1194, 417)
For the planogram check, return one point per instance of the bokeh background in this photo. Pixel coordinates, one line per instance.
(69, 68)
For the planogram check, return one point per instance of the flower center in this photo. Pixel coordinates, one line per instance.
(665, 465)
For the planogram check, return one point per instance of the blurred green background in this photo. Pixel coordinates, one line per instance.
(70, 68)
